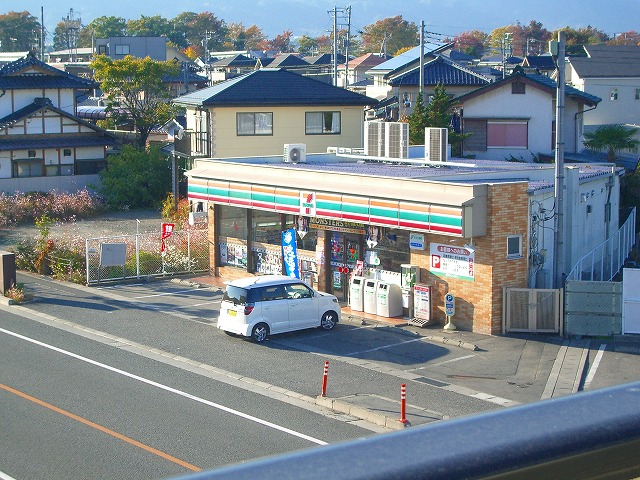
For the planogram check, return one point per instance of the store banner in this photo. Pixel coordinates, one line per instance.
(290, 253)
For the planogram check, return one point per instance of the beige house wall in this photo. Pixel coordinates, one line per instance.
(288, 127)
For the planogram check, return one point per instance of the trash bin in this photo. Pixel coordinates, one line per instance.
(356, 293)
(370, 294)
(389, 300)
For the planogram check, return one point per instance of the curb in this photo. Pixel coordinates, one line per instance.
(361, 412)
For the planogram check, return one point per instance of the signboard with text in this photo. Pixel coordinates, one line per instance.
(452, 261)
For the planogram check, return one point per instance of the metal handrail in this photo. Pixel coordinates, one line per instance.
(623, 240)
(586, 435)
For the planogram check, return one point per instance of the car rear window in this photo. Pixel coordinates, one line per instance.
(240, 296)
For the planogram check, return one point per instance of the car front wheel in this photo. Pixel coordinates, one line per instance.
(329, 320)
(260, 332)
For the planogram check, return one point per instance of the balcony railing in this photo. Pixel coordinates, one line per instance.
(193, 144)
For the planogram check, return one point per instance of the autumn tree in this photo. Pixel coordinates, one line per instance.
(19, 31)
(472, 42)
(136, 85)
(200, 30)
(282, 42)
(631, 38)
(576, 39)
(389, 35)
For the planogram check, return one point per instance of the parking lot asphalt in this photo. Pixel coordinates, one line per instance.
(553, 365)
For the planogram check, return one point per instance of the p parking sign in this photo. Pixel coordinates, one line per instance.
(449, 305)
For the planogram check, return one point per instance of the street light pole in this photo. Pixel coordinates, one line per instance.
(559, 170)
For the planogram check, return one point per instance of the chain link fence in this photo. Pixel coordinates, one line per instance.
(122, 257)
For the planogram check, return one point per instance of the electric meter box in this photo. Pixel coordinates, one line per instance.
(389, 300)
(356, 293)
(370, 296)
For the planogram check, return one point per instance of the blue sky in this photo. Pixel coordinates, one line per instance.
(311, 17)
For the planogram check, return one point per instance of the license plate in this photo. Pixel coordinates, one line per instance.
(232, 313)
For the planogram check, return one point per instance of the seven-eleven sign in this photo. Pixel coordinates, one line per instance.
(308, 204)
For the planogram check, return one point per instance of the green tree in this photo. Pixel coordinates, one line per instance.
(19, 31)
(417, 120)
(102, 27)
(611, 139)
(135, 178)
(307, 45)
(155, 26)
(438, 109)
(389, 35)
(137, 86)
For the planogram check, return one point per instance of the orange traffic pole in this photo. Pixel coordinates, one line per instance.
(324, 379)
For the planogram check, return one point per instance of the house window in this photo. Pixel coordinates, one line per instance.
(122, 49)
(637, 97)
(507, 134)
(66, 152)
(518, 88)
(614, 94)
(254, 124)
(514, 246)
(102, 50)
(322, 123)
(31, 154)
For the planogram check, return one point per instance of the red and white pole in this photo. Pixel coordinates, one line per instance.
(324, 379)
(403, 403)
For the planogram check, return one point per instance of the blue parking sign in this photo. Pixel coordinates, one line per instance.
(449, 304)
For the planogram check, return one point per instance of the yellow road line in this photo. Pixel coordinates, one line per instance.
(91, 424)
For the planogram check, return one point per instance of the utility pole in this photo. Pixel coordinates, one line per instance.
(42, 33)
(558, 248)
(421, 86)
(346, 48)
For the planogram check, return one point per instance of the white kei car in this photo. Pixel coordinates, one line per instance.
(259, 306)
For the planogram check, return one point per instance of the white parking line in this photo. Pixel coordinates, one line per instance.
(594, 367)
(454, 359)
(168, 293)
(383, 347)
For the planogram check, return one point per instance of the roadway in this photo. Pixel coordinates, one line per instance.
(144, 361)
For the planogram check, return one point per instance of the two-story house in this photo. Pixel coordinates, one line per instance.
(611, 72)
(43, 144)
(514, 118)
(259, 112)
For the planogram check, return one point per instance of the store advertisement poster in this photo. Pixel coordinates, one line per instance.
(290, 253)
(452, 261)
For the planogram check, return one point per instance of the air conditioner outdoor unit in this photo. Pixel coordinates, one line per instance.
(295, 153)
(396, 140)
(435, 144)
(374, 138)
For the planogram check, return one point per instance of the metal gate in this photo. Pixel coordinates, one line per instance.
(631, 300)
(532, 310)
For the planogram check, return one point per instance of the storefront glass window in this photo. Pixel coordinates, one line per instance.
(266, 227)
(233, 222)
(391, 251)
(307, 237)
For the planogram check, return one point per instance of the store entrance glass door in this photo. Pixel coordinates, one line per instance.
(345, 252)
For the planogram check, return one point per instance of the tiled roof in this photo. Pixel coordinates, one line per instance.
(410, 56)
(288, 60)
(57, 141)
(12, 76)
(440, 71)
(367, 60)
(544, 62)
(234, 61)
(273, 87)
(608, 61)
(324, 59)
(539, 81)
